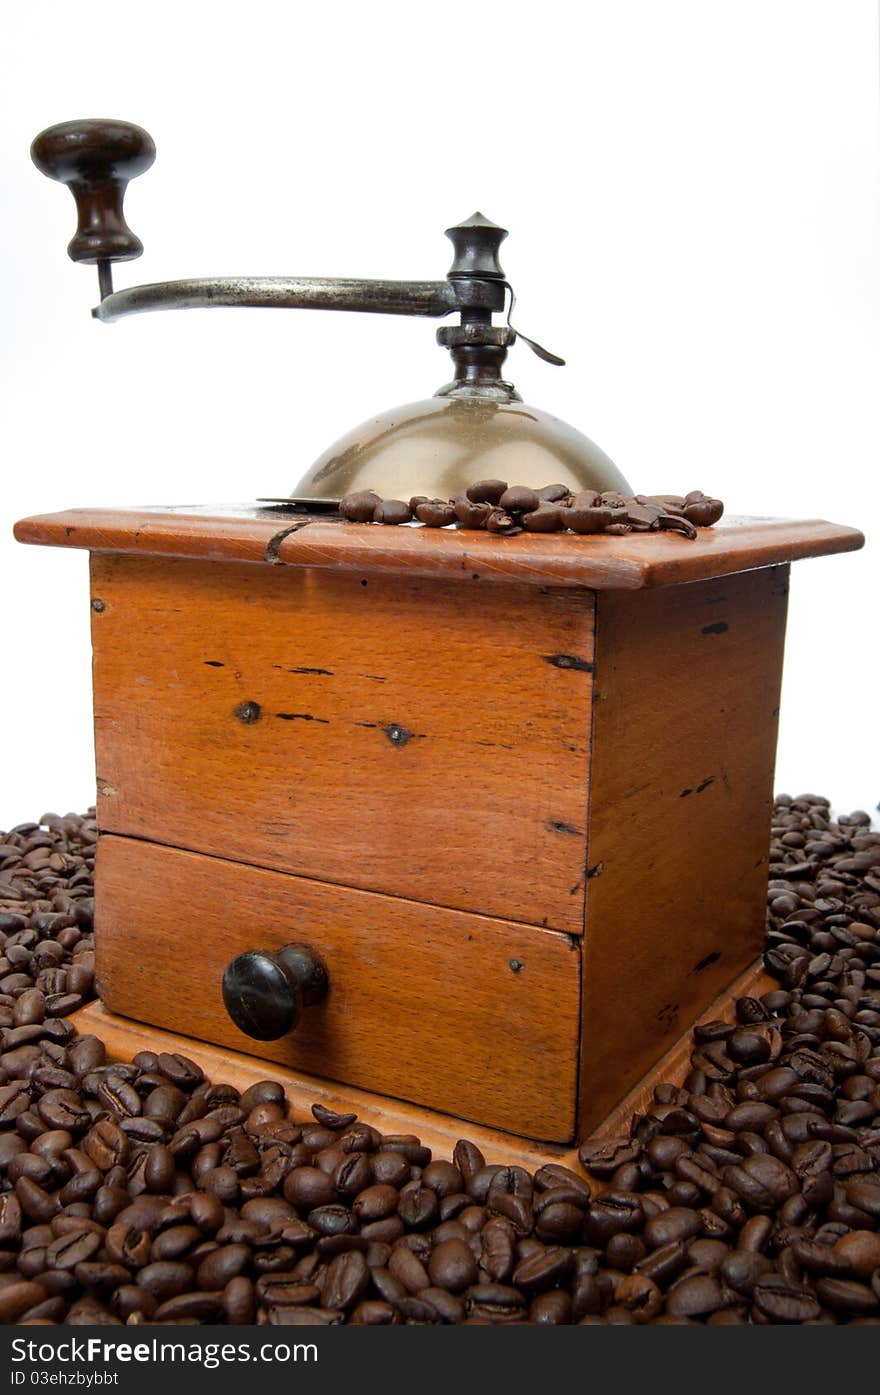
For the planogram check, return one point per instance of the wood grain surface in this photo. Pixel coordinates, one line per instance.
(684, 740)
(469, 1016)
(249, 533)
(381, 735)
(124, 1038)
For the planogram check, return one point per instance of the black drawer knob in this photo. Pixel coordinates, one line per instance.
(265, 993)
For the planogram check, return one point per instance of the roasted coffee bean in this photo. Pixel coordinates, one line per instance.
(332, 1220)
(206, 1212)
(467, 1157)
(407, 1270)
(544, 1269)
(452, 1266)
(418, 1206)
(166, 1279)
(554, 493)
(434, 513)
(560, 1220)
(780, 1300)
(486, 491)
(308, 1187)
(390, 1167)
(222, 1265)
(678, 1223)
(498, 1249)
(375, 1203)
(605, 1157)
(17, 1298)
(859, 1251)
(586, 518)
(238, 1301)
(175, 1242)
(392, 511)
(612, 1213)
(360, 507)
(864, 1194)
(695, 1296)
(106, 1145)
(497, 1302)
(70, 1250)
(374, 1312)
(762, 1181)
(470, 515)
(546, 518)
(346, 1280)
(742, 1269)
(702, 511)
(640, 1296)
(352, 1175)
(518, 498)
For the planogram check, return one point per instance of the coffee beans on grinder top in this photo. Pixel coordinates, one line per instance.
(496, 507)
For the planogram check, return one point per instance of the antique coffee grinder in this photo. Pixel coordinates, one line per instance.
(477, 822)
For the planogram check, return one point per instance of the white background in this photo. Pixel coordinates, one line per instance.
(692, 192)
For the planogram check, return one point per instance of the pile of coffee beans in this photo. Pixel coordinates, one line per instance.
(46, 910)
(142, 1192)
(507, 510)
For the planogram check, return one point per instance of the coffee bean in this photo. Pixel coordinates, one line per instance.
(783, 1301)
(497, 1302)
(847, 1296)
(859, 1250)
(452, 1266)
(434, 513)
(762, 1181)
(486, 491)
(222, 1265)
(308, 1187)
(360, 507)
(180, 1070)
(678, 1223)
(373, 1312)
(604, 1157)
(393, 511)
(697, 1296)
(742, 1269)
(375, 1203)
(418, 1206)
(640, 1296)
(166, 1279)
(18, 1297)
(864, 1193)
(611, 1213)
(546, 1268)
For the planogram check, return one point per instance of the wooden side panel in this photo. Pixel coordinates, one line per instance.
(370, 731)
(473, 1017)
(684, 742)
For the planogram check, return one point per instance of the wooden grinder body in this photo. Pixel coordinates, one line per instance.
(523, 818)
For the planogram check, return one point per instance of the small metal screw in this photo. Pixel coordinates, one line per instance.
(397, 734)
(248, 712)
(515, 965)
(98, 604)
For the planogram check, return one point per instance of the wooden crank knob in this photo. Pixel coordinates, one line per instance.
(265, 993)
(96, 159)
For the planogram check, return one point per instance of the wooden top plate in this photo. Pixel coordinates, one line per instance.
(280, 536)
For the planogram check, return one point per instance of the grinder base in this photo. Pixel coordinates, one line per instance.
(124, 1038)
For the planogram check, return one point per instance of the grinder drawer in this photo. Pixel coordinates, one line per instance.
(465, 1014)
